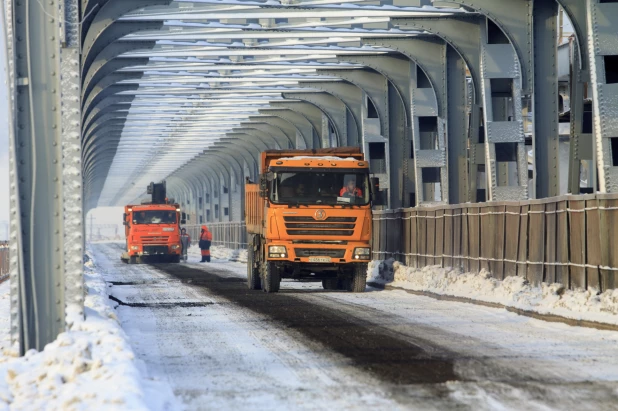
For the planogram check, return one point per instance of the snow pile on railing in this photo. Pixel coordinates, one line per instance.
(91, 366)
(516, 292)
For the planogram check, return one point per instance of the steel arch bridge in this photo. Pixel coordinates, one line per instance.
(453, 101)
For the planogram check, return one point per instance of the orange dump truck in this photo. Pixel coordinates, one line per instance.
(309, 217)
(152, 229)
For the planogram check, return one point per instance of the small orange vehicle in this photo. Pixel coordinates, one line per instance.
(309, 218)
(152, 229)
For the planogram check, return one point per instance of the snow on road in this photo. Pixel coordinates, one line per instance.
(89, 367)
(221, 346)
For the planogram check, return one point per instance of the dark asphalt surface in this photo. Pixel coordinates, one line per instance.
(371, 348)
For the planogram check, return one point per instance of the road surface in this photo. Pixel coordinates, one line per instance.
(222, 346)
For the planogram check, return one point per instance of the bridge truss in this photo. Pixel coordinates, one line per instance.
(109, 95)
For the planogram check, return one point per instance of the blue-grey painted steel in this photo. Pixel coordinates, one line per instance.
(47, 285)
(144, 90)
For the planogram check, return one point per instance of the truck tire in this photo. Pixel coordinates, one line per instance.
(253, 274)
(330, 283)
(359, 278)
(133, 260)
(271, 278)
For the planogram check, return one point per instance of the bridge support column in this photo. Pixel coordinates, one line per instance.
(604, 83)
(46, 205)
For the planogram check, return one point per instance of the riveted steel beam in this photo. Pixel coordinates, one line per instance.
(351, 96)
(545, 99)
(334, 109)
(314, 115)
(111, 103)
(392, 66)
(106, 62)
(463, 33)
(47, 234)
(427, 101)
(396, 69)
(266, 129)
(105, 27)
(261, 139)
(305, 128)
(514, 18)
(581, 148)
(375, 122)
(98, 95)
(288, 128)
(603, 49)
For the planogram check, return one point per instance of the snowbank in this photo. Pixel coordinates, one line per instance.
(221, 253)
(513, 292)
(91, 366)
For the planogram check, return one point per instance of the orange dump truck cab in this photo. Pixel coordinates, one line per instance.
(309, 217)
(152, 232)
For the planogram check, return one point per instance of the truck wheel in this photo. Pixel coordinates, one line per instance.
(330, 283)
(253, 274)
(359, 278)
(133, 260)
(271, 278)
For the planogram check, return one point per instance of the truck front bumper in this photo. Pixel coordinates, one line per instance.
(319, 253)
(153, 249)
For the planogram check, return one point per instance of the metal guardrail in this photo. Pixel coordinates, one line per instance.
(572, 240)
(231, 235)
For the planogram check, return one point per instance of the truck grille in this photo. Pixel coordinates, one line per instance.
(328, 220)
(319, 252)
(154, 239)
(332, 226)
(155, 249)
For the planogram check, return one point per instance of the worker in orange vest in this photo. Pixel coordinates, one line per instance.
(205, 241)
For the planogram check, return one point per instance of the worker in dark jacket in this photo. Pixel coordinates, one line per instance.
(205, 241)
(185, 242)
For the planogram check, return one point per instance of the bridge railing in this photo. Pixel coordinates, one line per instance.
(572, 240)
(231, 235)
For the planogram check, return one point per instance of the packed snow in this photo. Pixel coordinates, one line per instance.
(514, 292)
(220, 354)
(90, 366)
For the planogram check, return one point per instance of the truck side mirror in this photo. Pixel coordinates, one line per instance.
(183, 218)
(376, 195)
(124, 218)
(264, 180)
(183, 222)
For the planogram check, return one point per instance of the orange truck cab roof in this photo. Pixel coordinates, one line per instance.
(339, 157)
(145, 207)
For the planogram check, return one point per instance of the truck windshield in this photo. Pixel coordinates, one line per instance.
(154, 217)
(320, 188)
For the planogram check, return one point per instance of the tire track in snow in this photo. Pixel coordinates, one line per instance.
(370, 347)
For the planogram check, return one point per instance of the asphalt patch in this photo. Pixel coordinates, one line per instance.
(372, 348)
(164, 304)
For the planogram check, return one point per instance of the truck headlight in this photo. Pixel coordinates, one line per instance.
(175, 246)
(134, 247)
(277, 251)
(362, 253)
